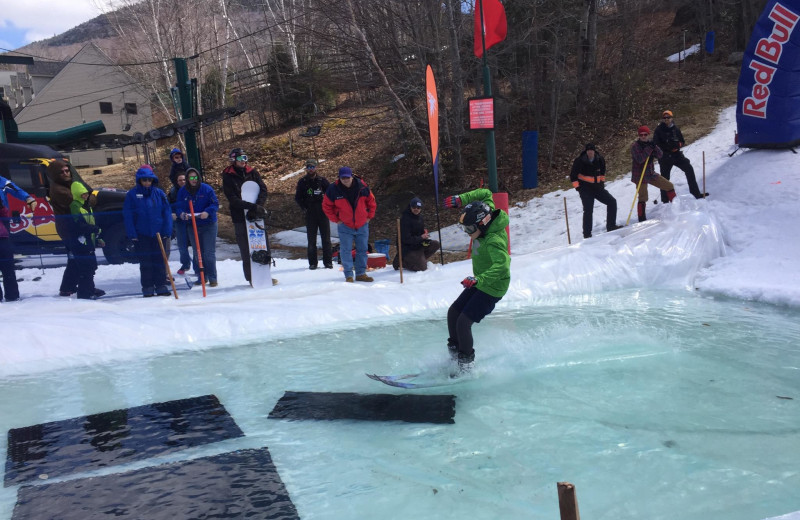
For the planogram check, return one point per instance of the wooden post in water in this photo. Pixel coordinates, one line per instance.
(568, 502)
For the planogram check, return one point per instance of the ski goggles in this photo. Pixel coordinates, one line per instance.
(468, 229)
(242, 158)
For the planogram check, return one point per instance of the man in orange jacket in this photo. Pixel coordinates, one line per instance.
(350, 205)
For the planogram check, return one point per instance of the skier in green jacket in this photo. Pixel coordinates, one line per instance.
(491, 268)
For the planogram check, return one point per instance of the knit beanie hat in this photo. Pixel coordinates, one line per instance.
(643, 129)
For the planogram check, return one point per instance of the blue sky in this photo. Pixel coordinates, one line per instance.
(23, 22)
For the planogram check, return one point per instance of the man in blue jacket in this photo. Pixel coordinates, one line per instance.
(205, 205)
(147, 212)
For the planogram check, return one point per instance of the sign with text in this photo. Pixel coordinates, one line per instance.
(481, 113)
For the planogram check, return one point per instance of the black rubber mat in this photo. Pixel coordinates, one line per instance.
(366, 407)
(240, 484)
(106, 439)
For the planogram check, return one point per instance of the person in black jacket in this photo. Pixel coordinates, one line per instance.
(232, 179)
(669, 138)
(416, 241)
(588, 176)
(309, 194)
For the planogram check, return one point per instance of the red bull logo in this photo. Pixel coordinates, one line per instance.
(40, 223)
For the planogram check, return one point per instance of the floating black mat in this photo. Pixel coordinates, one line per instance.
(240, 484)
(106, 439)
(366, 407)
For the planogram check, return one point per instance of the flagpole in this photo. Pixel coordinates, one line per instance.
(491, 150)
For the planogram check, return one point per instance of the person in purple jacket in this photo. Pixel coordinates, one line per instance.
(205, 205)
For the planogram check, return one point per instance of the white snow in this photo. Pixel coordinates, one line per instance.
(680, 56)
(741, 242)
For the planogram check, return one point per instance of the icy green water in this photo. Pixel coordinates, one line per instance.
(656, 405)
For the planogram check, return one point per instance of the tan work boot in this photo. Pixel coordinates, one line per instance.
(364, 278)
(349, 279)
(274, 281)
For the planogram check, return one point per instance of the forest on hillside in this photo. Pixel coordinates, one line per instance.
(565, 65)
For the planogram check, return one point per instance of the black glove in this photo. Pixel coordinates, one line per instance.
(251, 214)
(261, 212)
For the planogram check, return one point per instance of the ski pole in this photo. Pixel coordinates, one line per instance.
(704, 174)
(400, 250)
(197, 248)
(566, 217)
(166, 264)
(636, 196)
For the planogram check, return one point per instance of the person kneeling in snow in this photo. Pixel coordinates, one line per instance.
(491, 268)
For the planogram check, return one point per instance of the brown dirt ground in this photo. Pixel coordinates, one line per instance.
(366, 138)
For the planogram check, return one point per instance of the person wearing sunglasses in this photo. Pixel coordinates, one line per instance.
(644, 153)
(147, 213)
(205, 205)
(61, 197)
(669, 138)
(308, 195)
(177, 165)
(236, 174)
(491, 271)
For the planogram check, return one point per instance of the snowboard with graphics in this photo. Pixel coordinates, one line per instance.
(260, 255)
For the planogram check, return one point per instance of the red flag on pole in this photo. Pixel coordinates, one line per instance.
(494, 24)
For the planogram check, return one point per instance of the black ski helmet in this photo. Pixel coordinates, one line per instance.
(474, 216)
(235, 153)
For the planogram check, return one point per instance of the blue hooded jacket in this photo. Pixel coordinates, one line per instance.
(176, 168)
(146, 210)
(203, 199)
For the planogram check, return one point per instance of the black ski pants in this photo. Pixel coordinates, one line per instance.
(682, 163)
(7, 269)
(588, 195)
(317, 221)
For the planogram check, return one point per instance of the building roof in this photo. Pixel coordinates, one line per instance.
(46, 68)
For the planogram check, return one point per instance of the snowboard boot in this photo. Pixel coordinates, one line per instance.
(671, 195)
(452, 349)
(465, 366)
(640, 211)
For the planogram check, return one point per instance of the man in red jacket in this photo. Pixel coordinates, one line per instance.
(350, 205)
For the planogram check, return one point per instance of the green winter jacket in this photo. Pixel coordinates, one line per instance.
(491, 263)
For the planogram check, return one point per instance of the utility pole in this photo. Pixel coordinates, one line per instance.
(187, 111)
(491, 150)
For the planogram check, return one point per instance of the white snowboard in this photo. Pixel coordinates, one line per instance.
(260, 255)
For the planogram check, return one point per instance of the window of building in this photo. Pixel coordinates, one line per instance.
(106, 108)
(130, 108)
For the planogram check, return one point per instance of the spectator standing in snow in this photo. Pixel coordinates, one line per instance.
(60, 194)
(181, 228)
(669, 138)
(491, 271)
(147, 212)
(350, 205)
(232, 179)
(84, 240)
(588, 176)
(642, 149)
(415, 239)
(308, 195)
(6, 253)
(205, 205)
(178, 164)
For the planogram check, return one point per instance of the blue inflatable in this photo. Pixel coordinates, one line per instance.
(768, 108)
